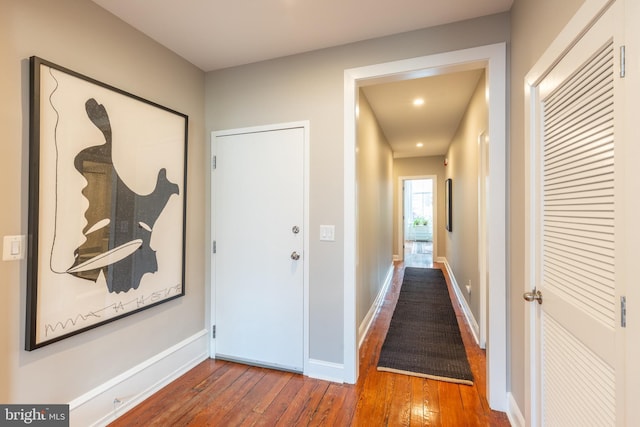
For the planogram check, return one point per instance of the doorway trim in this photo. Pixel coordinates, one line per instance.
(400, 223)
(483, 192)
(493, 59)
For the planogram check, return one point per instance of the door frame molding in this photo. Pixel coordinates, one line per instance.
(493, 59)
(586, 15)
(483, 243)
(400, 223)
(304, 124)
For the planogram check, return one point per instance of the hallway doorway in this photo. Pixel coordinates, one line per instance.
(493, 59)
(418, 221)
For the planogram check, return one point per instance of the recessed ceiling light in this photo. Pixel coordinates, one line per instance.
(418, 102)
(419, 144)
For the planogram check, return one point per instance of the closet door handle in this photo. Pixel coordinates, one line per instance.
(534, 295)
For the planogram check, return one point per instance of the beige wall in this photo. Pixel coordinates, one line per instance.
(310, 87)
(461, 244)
(529, 40)
(374, 168)
(419, 166)
(83, 37)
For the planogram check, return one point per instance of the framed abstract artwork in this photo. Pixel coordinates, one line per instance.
(447, 204)
(107, 204)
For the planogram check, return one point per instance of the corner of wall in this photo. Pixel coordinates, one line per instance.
(363, 329)
(115, 397)
(471, 320)
(327, 371)
(514, 413)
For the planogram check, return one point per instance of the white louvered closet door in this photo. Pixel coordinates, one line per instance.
(579, 315)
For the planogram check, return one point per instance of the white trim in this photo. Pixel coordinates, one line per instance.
(99, 406)
(306, 237)
(466, 310)
(483, 185)
(493, 58)
(327, 371)
(578, 24)
(628, 162)
(516, 419)
(305, 125)
(365, 325)
(434, 209)
(350, 329)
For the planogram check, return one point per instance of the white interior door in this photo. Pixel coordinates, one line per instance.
(258, 265)
(576, 316)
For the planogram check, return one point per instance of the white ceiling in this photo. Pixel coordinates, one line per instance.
(434, 123)
(215, 34)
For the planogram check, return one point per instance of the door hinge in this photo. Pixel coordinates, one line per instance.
(213, 247)
(623, 311)
(213, 162)
(623, 70)
(213, 332)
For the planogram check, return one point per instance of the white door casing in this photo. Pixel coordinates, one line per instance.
(575, 354)
(259, 269)
(493, 58)
(483, 253)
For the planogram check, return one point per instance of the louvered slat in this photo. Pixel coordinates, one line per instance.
(585, 379)
(575, 218)
(566, 94)
(584, 155)
(578, 185)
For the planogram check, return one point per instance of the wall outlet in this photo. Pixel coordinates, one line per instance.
(469, 288)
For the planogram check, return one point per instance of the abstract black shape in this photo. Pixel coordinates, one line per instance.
(119, 221)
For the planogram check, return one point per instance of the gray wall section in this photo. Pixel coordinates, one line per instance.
(83, 37)
(462, 242)
(534, 23)
(374, 168)
(310, 87)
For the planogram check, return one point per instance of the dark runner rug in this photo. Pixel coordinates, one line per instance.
(424, 339)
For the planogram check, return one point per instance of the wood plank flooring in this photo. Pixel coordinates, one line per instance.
(418, 254)
(219, 393)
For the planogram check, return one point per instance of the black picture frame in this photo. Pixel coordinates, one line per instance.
(107, 204)
(447, 204)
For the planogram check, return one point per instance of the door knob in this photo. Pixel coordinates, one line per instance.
(295, 229)
(295, 256)
(534, 295)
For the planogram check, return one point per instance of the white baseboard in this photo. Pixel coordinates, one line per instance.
(321, 370)
(514, 413)
(468, 314)
(105, 403)
(368, 319)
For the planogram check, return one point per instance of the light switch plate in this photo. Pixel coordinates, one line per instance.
(14, 248)
(328, 233)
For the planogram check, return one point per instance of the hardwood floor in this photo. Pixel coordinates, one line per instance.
(219, 393)
(418, 254)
